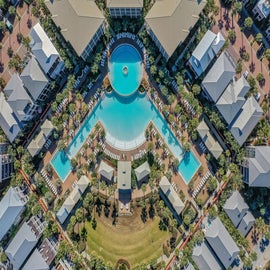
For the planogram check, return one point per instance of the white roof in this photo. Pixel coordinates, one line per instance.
(246, 121)
(205, 51)
(106, 170)
(142, 171)
(10, 208)
(171, 195)
(42, 48)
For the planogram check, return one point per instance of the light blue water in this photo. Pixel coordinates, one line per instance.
(125, 56)
(125, 118)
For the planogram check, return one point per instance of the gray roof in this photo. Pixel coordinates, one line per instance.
(221, 242)
(212, 145)
(172, 20)
(233, 98)
(204, 257)
(246, 223)
(17, 97)
(171, 195)
(124, 175)
(259, 167)
(236, 208)
(106, 170)
(42, 48)
(42, 257)
(142, 171)
(205, 51)
(37, 143)
(36, 262)
(34, 79)
(23, 243)
(189, 267)
(124, 3)
(246, 120)
(11, 206)
(79, 20)
(218, 77)
(8, 120)
(72, 199)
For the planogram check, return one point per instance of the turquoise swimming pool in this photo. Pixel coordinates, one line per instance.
(125, 69)
(125, 120)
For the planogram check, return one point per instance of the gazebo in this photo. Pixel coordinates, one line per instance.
(142, 172)
(106, 171)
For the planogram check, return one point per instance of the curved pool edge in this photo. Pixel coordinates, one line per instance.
(140, 73)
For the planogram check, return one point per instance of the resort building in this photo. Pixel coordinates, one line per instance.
(11, 208)
(35, 81)
(205, 52)
(42, 257)
(233, 99)
(218, 78)
(204, 257)
(124, 176)
(171, 198)
(8, 120)
(169, 23)
(81, 22)
(261, 10)
(256, 166)
(209, 141)
(45, 52)
(124, 8)
(246, 120)
(221, 243)
(39, 141)
(238, 212)
(106, 171)
(142, 172)
(19, 100)
(72, 199)
(24, 241)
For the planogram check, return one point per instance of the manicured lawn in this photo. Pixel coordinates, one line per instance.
(130, 239)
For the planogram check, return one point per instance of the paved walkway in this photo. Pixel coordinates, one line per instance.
(10, 40)
(242, 42)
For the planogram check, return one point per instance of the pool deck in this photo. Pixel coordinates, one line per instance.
(104, 68)
(180, 184)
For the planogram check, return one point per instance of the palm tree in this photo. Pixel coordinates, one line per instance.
(143, 187)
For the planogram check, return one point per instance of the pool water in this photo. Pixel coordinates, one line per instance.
(125, 120)
(125, 69)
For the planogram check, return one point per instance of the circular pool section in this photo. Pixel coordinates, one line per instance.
(125, 69)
